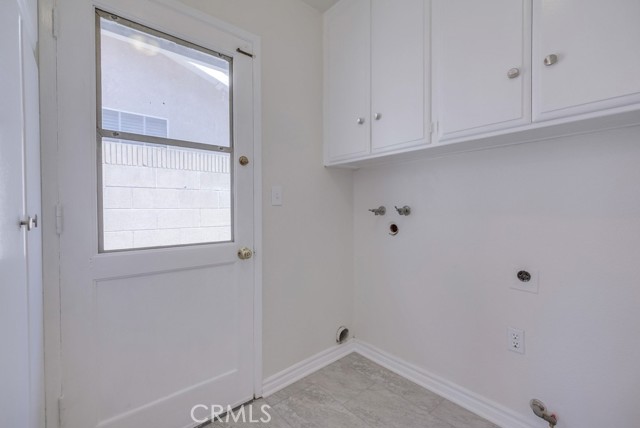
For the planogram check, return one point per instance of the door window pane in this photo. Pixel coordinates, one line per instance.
(165, 140)
(158, 77)
(156, 196)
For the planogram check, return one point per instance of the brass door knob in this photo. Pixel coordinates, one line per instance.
(245, 253)
(244, 161)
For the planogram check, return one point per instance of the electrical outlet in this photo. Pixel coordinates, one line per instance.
(515, 340)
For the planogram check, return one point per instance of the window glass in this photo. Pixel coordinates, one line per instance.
(158, 77)
(165, 141)
(157, 196)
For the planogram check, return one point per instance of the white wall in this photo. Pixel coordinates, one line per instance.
(438, 296)
(308, 262)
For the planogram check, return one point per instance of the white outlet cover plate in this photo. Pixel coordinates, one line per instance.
(515, 340)
(532, 286)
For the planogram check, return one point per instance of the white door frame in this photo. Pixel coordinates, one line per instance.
(53, 216)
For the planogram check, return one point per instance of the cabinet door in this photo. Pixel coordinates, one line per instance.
(347, 80)
(482, 60)
(400, 77)
(597, 44)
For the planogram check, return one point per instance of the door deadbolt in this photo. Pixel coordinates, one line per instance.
(245, 253)
(244, 161)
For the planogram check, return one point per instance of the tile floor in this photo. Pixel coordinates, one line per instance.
(357, 393)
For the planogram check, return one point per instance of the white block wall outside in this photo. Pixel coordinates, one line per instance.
(157, 196)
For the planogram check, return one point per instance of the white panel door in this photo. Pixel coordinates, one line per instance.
(21, 325)
(596, 45)
(147, 334)
(348, 80)
(400, 74)
(482, 60)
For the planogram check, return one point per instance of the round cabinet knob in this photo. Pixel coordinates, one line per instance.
(550, 59)
(377, 116)
(360, 121)
(513, 73)
(245, 253)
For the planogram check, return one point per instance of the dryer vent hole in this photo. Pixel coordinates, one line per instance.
(342, 334)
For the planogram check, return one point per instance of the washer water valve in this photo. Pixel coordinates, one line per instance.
(540, 410)
(381, 210)
(406, 210)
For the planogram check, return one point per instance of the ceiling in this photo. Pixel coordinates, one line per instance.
(321, 5)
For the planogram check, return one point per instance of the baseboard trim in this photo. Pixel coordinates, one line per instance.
(471, 401)
(306, 367)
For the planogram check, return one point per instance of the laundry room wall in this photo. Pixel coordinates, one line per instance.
(438, 296)
(308, 241)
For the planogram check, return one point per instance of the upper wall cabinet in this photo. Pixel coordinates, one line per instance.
(586, 56)
(347, 80)
(504, 72)
(377, 78)
(482, 66)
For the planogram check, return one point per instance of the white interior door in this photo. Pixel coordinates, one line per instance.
(157, 308)
(21, 326)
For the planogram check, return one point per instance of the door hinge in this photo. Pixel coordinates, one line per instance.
(60, 411)
(54, 22)
(59, 219)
